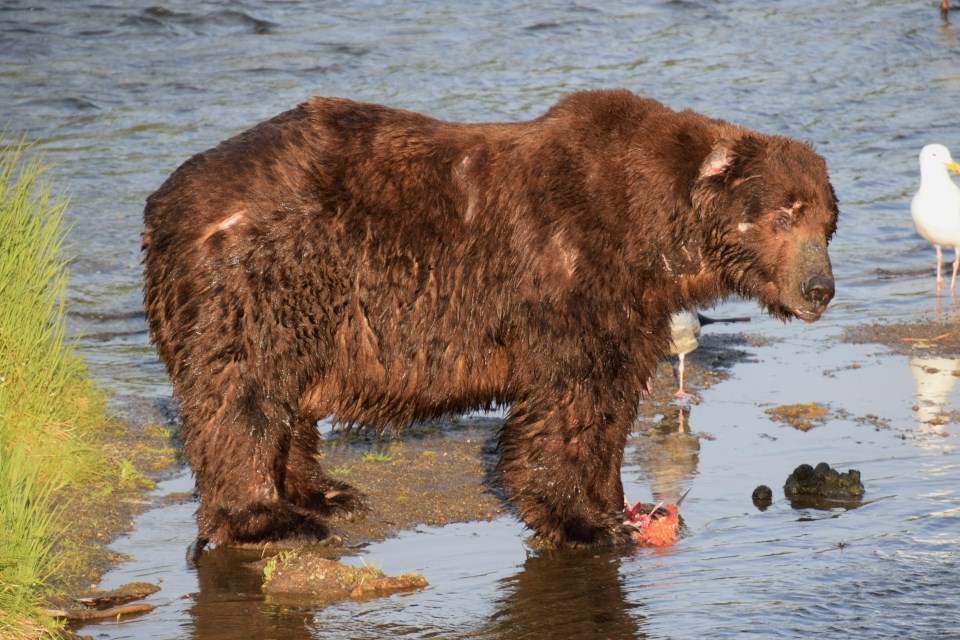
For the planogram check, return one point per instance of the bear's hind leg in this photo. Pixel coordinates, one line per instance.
(237, 439)
(306, 484)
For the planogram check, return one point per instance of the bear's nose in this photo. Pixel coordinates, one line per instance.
(818, 289)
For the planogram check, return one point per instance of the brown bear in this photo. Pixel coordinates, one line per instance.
(381, 267)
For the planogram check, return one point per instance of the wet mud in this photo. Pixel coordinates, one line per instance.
(96, 513)
(935, 338)
(431, 474)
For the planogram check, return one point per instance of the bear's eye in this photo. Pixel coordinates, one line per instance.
(784, 218)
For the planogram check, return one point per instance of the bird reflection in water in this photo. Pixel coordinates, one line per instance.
(934, 379)
(938, 308)
(668, 454)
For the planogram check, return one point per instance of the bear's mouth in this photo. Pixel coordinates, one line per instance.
(809, 314)
(783, 306)
(789, 302)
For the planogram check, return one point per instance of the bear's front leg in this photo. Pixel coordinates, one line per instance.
(560, 464)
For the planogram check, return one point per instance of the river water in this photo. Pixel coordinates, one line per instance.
(117, 94)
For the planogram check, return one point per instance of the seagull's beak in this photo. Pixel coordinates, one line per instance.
(954, 166)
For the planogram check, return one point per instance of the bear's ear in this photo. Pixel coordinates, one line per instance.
(718, 159)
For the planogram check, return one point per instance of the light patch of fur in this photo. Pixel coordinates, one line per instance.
(568, 255)
(739, 181)
(223, 225)
(461, 173)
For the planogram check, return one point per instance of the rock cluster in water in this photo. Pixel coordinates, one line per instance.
(820, 487)
(823, 486)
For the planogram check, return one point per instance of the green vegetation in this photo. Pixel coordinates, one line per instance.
(50, 410)
(376, 456)
(271, 565)
(341, 470)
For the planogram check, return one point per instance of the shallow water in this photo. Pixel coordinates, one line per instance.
(117, 94)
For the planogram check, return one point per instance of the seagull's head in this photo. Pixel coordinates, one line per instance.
(936, 157)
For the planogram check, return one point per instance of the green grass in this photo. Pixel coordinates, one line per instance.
(50, 410)
(341, 470)
(376, 456)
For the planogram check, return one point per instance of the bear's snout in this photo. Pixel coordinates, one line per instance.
(811, 286)
(818, 289)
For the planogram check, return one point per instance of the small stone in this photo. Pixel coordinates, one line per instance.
(762, 497)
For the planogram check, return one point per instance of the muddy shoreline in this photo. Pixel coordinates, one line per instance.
(435, 473)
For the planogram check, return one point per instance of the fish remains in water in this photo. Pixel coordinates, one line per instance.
(657, 525)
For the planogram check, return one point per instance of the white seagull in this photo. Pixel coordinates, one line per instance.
(936, 207)
(685, 337)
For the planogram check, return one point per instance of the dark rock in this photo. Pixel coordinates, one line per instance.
(762, 497)
(823, 487)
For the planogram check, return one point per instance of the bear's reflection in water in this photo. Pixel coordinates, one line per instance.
(230, 604)
(564, 593)
(567, 593)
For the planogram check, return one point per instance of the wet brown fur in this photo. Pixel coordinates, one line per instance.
(380, 267)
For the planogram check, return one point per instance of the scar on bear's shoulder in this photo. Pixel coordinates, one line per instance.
(222, 225)
(567, 255)
(465, 175)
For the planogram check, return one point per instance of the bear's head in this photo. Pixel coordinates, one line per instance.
(768, 211)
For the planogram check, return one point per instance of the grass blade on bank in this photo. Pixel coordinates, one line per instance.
(49, 407)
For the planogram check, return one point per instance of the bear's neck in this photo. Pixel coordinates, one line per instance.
(674, 262)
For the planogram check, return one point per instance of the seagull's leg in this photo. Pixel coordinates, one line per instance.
(956, 263)
(680, 392)
(939, 272)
